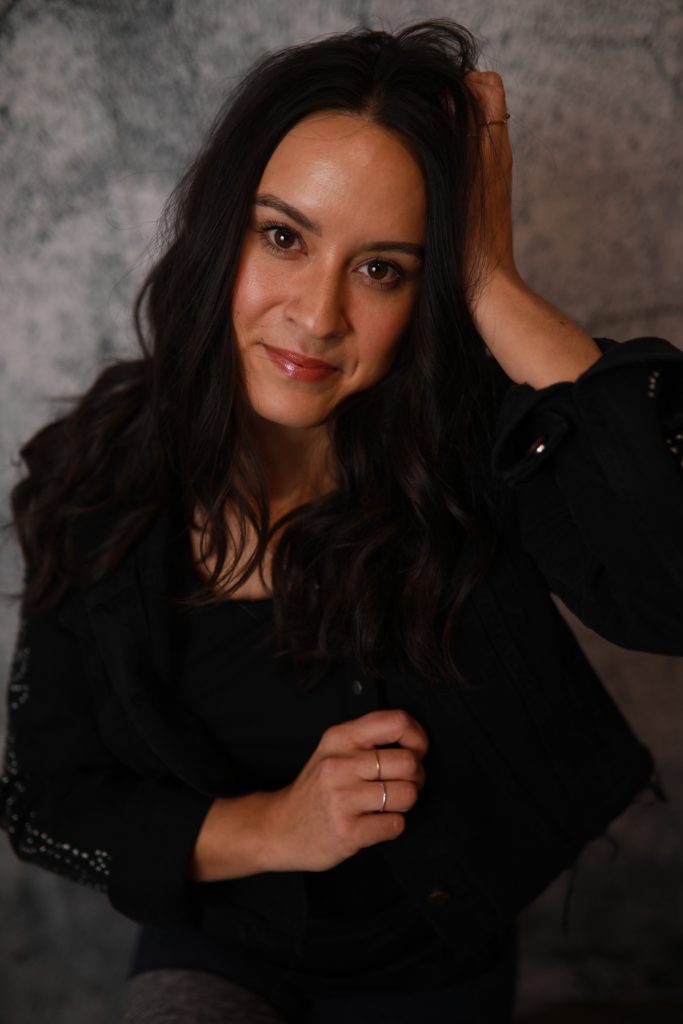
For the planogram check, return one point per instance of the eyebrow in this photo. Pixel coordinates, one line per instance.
(274, 203)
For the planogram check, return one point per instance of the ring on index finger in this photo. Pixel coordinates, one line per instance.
(487, 124)
(500, 120)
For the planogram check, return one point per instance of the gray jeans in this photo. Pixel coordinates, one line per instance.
(182, 996)
(181, 977)
(178, 996)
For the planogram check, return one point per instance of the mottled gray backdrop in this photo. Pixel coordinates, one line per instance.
(101, 104)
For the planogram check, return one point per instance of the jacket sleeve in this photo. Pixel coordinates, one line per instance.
(594, 471)
(69, 805)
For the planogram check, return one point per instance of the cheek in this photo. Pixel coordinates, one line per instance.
(384, 333)
(245, 299)
(256, 289)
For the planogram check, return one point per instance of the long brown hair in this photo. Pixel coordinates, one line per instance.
(367, 570)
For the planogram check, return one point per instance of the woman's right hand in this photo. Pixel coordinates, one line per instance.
(329, 812)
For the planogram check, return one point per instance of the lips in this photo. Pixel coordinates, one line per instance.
(299, 359)
(296, 367)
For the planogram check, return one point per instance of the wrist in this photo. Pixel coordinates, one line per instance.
(235, 840)
(266, 833)
(533, 341)
(496, 290)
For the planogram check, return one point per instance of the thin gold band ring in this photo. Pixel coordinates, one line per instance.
(502, 120)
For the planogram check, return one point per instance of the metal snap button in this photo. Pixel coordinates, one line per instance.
(538, 446)
(357, 687)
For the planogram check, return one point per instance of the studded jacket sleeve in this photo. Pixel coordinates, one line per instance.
(595, 473)
(71, 806)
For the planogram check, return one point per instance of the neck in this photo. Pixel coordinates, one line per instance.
(295, 461)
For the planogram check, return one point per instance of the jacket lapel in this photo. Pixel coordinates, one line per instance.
(131, 617)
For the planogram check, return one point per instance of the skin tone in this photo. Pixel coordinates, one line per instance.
(533, 341)
(330, 267)
(313, 280)
(330, 270)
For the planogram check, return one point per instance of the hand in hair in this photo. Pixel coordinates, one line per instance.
(533, 342)
(490, 231)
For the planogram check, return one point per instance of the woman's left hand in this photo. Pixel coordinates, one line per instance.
(490, 234)
(532, 341)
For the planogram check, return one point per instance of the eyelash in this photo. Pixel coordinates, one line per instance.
(263, 230)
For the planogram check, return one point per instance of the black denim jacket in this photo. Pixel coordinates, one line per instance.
(108, 777)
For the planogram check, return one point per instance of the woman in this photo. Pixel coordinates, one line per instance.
(290, 686)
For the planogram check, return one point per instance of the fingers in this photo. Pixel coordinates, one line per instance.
(394, 763)
(488, 90)
(489, 241)
(377, 828)
(368, 798)
(400, 796)
(377, 728)
(359, 808)
(352, 771)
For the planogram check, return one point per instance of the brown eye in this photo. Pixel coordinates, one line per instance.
(382, 273)
(378, 270)
(279, 238)
(283, 238)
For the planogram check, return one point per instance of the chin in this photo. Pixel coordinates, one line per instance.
(292, 419)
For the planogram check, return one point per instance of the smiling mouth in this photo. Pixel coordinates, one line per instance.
(297, 367)
(299, 359)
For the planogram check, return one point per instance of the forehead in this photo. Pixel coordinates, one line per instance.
(343, 164)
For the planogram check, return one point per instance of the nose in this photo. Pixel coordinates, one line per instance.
(316, 306)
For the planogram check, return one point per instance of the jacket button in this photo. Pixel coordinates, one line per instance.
(357, 687)
(537, 447)
(438, 897)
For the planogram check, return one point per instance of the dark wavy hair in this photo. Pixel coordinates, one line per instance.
(376, 568)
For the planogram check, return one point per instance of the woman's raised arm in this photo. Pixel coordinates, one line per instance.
(533, 342)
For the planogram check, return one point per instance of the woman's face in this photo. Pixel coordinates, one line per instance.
(330, 266)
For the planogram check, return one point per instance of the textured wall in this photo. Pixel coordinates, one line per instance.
(100, 106)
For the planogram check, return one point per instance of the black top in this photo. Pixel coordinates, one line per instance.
(360, 922)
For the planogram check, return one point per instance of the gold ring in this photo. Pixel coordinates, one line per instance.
(379, 767)
(503, 120)
(384, 797)
(485, 124)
